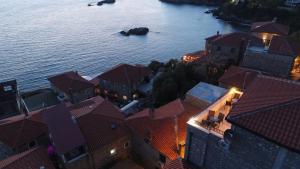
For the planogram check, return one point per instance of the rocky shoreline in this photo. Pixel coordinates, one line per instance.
(231, 18)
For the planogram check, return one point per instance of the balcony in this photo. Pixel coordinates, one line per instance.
(212, 119)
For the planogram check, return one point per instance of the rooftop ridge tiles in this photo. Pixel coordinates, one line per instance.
(236, 116)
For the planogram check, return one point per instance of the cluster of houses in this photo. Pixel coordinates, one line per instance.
(251, 120)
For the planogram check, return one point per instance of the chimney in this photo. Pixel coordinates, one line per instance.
(218, 33)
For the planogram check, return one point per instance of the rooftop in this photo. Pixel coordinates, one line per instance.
(69, 82)
(235, 39)
(270, 108)
(270, 27)
(39, 99)
(123, 74)
(65, 132)
(158, 126)
(95, 117)
(212, 119)
(238, 77)
(206, 92)
(33, 159)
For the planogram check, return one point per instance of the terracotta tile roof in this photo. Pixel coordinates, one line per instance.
(236, 39)
(70, 81)
(238, 77)
(123, 74)
(100, 130)
(161, 130)
(266, 91)
(33, 159)
(65, 132)
(284, 46)
(21, 130)
(174, 164)
(126, 164)
(270, 27)
(95, 117)
(97, 122)
(270, 108)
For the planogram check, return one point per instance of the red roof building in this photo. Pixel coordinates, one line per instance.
(95, 122)
(72, 86)
(33, 159)
(21, 130)
(123, 74)
(222, 48)
(270, 108)
(270, 27)
(158, 126)
(122, 81)
(238, 77)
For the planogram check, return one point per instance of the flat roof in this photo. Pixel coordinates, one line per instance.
(207, 92)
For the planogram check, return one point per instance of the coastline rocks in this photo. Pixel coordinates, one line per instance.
(135, 31)
(105, 2)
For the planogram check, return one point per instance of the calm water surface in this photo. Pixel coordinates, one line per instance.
(45, 37)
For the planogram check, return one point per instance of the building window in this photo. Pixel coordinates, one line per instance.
(126, 145)
(113, 151)
(219, 48)
(162, 158)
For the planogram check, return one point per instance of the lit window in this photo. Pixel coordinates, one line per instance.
(113, 151)
(135, 96)
(124, 97)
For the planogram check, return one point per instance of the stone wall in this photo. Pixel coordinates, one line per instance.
(145, 153)
(83, 95)
(102, 156)
(224, 53)
(277, 65)
(122, 90)
(246, 151)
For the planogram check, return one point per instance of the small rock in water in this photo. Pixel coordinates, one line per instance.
(135, 31)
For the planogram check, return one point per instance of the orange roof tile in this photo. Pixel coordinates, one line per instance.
(162, 128)
(175, 164)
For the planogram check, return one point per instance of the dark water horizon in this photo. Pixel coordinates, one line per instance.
(43, 38)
